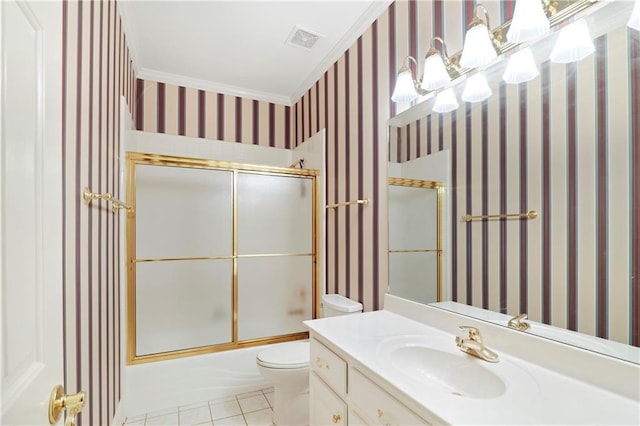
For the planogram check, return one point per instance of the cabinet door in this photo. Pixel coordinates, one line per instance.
(329, 367)
(376, 405)
(326, 408)
(355, 419)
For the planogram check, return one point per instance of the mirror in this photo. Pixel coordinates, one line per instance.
(415, 238)
(565, 146)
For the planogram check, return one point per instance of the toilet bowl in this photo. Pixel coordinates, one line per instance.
(286, 367)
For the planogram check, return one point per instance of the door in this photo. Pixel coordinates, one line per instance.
(30, 209)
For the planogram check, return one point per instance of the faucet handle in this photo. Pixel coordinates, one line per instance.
(474, 333)
(518, 322)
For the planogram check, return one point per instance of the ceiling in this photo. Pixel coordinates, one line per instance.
(240, 47)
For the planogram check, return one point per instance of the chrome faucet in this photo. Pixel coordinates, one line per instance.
(473, 345)
(519, 323)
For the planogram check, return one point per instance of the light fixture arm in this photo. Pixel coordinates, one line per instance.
(477, 19)
(405, 64)
(496, 36)
(448, 62)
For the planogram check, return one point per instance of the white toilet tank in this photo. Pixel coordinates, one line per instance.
(335, 304)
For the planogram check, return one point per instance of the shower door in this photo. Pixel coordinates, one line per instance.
(221, 255)
(415, 239)
(275, 254)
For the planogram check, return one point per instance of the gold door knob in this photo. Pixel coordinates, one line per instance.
(60, 402)
(336, 418)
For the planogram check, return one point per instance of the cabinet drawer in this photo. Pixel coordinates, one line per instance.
(378, 406)
(326, 408)
(329, 366)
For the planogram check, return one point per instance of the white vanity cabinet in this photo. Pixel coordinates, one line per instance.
(342, 394)
(327, 386)
(326, 407)
(376, 405)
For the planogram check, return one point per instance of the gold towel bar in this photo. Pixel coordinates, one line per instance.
(365, 202)
(529, 215)
(88, 196)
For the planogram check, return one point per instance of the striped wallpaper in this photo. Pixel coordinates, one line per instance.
(352, 101)
(565, 144)
(178, 110)
(96, 72)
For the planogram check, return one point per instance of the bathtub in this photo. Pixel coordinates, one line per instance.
(165, 384)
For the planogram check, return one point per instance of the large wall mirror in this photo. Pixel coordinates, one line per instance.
(565, 145)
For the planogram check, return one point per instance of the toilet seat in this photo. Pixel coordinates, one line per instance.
(285, 356)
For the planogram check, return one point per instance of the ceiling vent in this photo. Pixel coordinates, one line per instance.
(301, 37)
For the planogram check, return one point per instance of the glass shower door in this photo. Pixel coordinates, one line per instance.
(184, 258)
(275, 254)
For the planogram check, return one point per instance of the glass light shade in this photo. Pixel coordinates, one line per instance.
(574, 43)
(445, 101)
(435, 73)
(478, 49)
(529, 22)
(520, 68)
(476, 89)
(405, 91)
(634, 19)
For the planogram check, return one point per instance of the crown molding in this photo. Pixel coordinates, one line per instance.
(372, 13)
(212, 86)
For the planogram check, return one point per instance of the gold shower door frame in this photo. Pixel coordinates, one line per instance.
(137, 158)
(437, 186)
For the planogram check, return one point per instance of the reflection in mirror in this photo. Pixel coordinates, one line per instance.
(419, 220)
(566, 144)
(415, 239)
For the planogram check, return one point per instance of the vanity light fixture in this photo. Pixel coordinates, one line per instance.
(436, 65)
(574, 43)
(446, 101)
(476, 89)
(407, 89)
(532, 18)
(529, 21)
(634, 19)
(478, 47)
(521, 67)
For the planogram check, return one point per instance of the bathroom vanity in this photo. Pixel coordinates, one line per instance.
(401, 365)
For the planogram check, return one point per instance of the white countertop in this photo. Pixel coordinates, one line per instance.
(534, 395)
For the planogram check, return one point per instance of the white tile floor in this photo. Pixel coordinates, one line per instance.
(248, 409)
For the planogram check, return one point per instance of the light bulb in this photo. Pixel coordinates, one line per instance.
(478, 49)
(574, 43)
(529, 22)
(445, 101)
(404, 91)
(521, 67)
(476, 89)
(435, 73)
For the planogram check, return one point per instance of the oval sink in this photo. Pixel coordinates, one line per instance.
(447, 372)
(436, 363)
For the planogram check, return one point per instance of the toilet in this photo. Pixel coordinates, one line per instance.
(286, 367)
